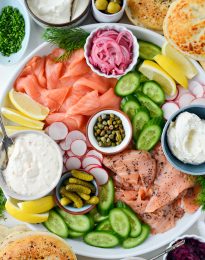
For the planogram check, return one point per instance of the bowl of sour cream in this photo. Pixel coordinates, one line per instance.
(34, 167)
(183, 140)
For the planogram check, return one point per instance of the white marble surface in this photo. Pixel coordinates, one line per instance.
(5, 74)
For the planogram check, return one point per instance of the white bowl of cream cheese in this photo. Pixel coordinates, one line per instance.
(34, 167)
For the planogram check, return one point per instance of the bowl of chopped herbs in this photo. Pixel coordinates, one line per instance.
(14, 31)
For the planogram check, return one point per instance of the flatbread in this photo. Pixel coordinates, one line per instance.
(35, 245)
(184, 27)
(9, 231)
(148, 13)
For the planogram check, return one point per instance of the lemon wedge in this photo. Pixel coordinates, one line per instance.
(11, 129)
(172, 68)
(27, 105)
(154, 72)
(186, 65)
(12, 208)
(20, 119)
(37, 206)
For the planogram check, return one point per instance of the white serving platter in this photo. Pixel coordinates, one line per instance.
(154, 241)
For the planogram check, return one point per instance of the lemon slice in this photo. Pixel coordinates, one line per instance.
(27, 105)
(11, 129)
(37, 206)
(154, 72)
(17, 213)
(186, 65)
(172, 68)
(20, 119)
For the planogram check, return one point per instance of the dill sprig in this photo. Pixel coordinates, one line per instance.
(2, 203)
(201, 196)
(68, 39)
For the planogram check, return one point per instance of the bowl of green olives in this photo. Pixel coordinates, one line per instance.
(109, 131)
(108, 11)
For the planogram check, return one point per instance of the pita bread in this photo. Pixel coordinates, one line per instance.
(184, 27)
(148, 13)
(8, 231)
(35, 245)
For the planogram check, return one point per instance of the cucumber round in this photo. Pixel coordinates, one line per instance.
(56, 224)
(79, 223)
(74, 234)
(138, 122)
(148, 50)
(102, 239)
(119, 222)
(130, 105)
(131, 242)
(127, 84)
(104, 225)
(95, 215)
(153, 90)
(106, 198)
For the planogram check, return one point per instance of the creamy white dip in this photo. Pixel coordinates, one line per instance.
(33, 165)
(186, 138)
(58, 11)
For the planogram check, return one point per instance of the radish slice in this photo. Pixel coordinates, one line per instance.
(100, 175)
(70, 154)
(73, 163)
(89, 167)
(76, 135)
(185, 100)
(88, 160)
(58, 131)
(182, 91)
(198, 101)
(169, 109)
(171, 98)
(96, 154)
(196, 89)
(78, 147)
(65, 144)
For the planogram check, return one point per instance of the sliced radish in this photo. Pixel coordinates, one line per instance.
(78, 147)
(169, 109)
(70, 154)
(58, 131)
(198, 101)
(185, 100)
(65, 144)
(100, 175)
(196, 89)
(88, 160)
(76, 135)
(96, 154)
(73, 163)
(89, 167)
(171, 98)
(182, 91)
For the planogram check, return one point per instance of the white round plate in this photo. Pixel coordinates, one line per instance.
(154, 241)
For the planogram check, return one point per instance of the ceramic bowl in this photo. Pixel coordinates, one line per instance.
(69, 209)
(9, 192)
(107, 18)
(16, 57)
(127, 127)
(193, 169)
(201, 239)
(76, 21)
(118, 28)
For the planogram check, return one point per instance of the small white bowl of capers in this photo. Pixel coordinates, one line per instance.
(108, 11)
(109, 131)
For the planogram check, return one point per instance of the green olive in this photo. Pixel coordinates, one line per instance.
(101, 4)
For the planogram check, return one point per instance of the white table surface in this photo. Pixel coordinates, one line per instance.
(7, 71)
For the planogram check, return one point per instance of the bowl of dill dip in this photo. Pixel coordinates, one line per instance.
(58, 13)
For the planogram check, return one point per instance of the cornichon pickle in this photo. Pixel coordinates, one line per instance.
(80, 182)
(82, 175)
(83, 195)
(65, 201)
(78, 188)
(74, 197)
(93, 200)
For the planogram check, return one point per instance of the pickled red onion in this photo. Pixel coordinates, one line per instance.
(111, 51)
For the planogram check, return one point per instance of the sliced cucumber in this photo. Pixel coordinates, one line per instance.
(130, 105)
(106, 198)
(119, 222)
(56, 224)
(154, 109)
(135, 223)
(127, 84)
(74, 234)
(79, 223)
(153, 90)
(148, 50)
(131, 242)
(104, 239)
(96, 216)
(149, 136)
(104, 225)
(138, 122)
